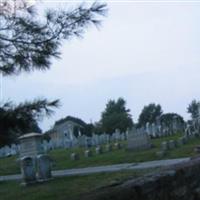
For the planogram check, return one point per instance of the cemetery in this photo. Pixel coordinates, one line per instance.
(62, 159)
(145, 55)
(36, 158)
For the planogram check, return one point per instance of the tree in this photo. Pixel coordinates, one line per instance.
(116, 116)
(98, 128)
(28, 43)
(168, 118)
(18, 119)
(149, 114)
(193, 108)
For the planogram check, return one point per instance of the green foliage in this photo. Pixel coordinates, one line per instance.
(168, 118)
(19, 119)
(116, 116)
(149, 114)
(88, 130)
(28, 42)
(193, 108)
(98, 128)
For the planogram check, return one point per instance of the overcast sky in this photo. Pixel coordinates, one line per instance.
(144, 52)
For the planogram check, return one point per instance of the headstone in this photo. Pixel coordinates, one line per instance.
(180, 141)
(164, 146)
(50, 145)
(117, 145)
(88, 153)
(108, 147)
(122, 136)
(45, 146)
(28, 170)
(197, 149)
(160, 154)
(44, 167)
(88, 142)
(1, 153)
(74, 156)
(172, 144)
(185, 139)
(96, 140)
(117, 135)
(82, 141)
(153, 127)
(138, 140)
(13, 149)
(99, 150)
(7, 151)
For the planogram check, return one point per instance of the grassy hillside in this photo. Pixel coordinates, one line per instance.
(61, 157)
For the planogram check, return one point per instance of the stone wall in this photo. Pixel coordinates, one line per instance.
(179, 182)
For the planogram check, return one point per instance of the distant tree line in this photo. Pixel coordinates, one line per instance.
(117, 116)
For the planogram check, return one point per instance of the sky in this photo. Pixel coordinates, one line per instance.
(144, 52)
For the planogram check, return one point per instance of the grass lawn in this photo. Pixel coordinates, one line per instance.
(61, 157)
(70, 188)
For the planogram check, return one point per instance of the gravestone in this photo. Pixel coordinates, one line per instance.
(28, 170)
(99, 150)
(45, 146)
(30, 145)
(44, 167)
(7, 151)
(147, 129)
(95, 139)
(172, 144)
(180, 141)
(164, 146)
(1, 153)
(138, 140)
(74, 156)
(88, 141)
(153, 128)
(117, 145)
(82, 141)
(160, 154)
(108, 147)
(88, 153)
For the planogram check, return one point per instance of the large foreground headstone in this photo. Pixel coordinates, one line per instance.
(28, 170)
(44, 167)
